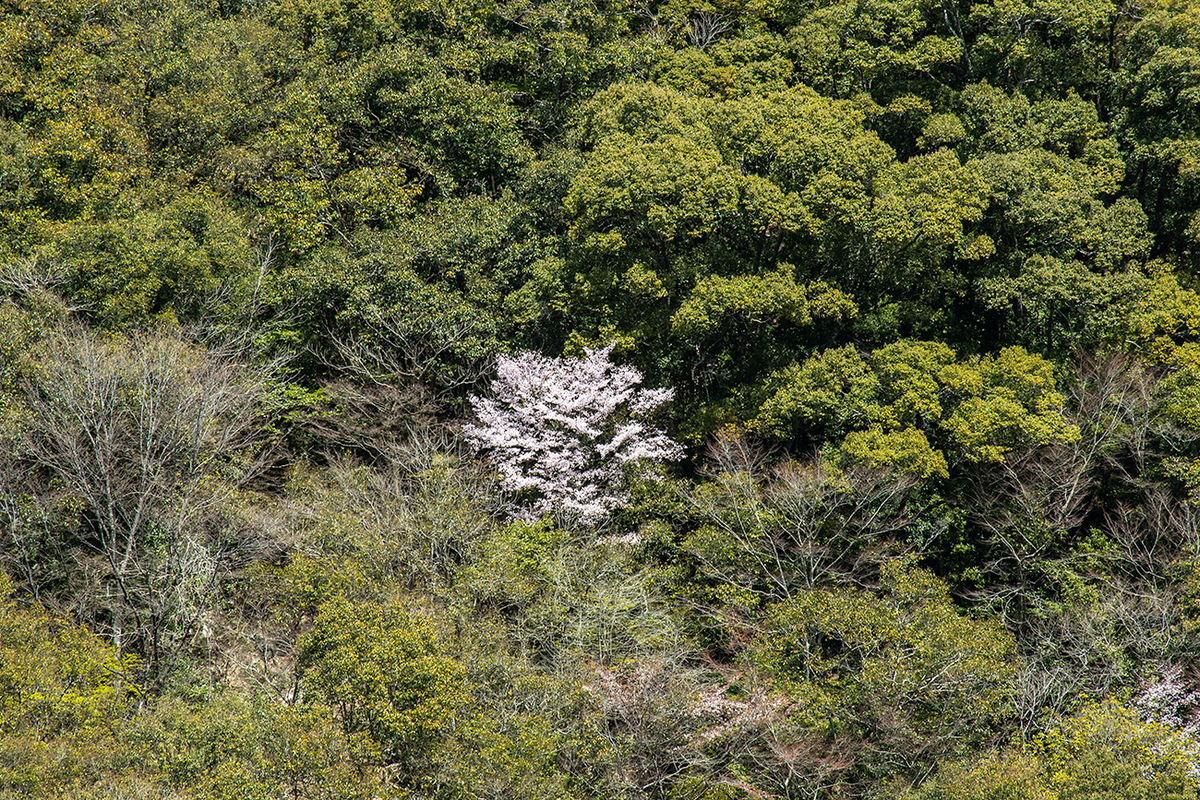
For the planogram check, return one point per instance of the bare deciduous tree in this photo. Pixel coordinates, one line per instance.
(1030, 506)
(405, 348)
(799, 526)
(705, 28)
(1082, 543)
(145, 437)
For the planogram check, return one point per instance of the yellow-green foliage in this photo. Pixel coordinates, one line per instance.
(56, 676)
(21, 327)
(303, 205)
(63, 695)
(520, 724)
(514, 567)
(1177, 401)
(1105, 752)
(1108, 747)
(381, 668)
(566, 601)
(232, 747)
(1151, 312)
(1004, 776)
(909, 403)
(1181, 388)
(361, 530)
(906, 661)
(907, 449)
(774, 297)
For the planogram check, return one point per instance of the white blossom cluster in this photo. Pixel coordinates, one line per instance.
(561, 432)
(1171, 702)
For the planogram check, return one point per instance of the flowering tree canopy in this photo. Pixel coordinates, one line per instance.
(562, 430)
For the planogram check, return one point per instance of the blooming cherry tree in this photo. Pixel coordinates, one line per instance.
(562, 431)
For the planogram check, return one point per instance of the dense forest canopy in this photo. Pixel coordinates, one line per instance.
(317, 479)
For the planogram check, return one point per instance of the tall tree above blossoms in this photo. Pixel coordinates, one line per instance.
(562, 431)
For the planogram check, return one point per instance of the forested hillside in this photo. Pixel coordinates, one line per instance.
(680, 399)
